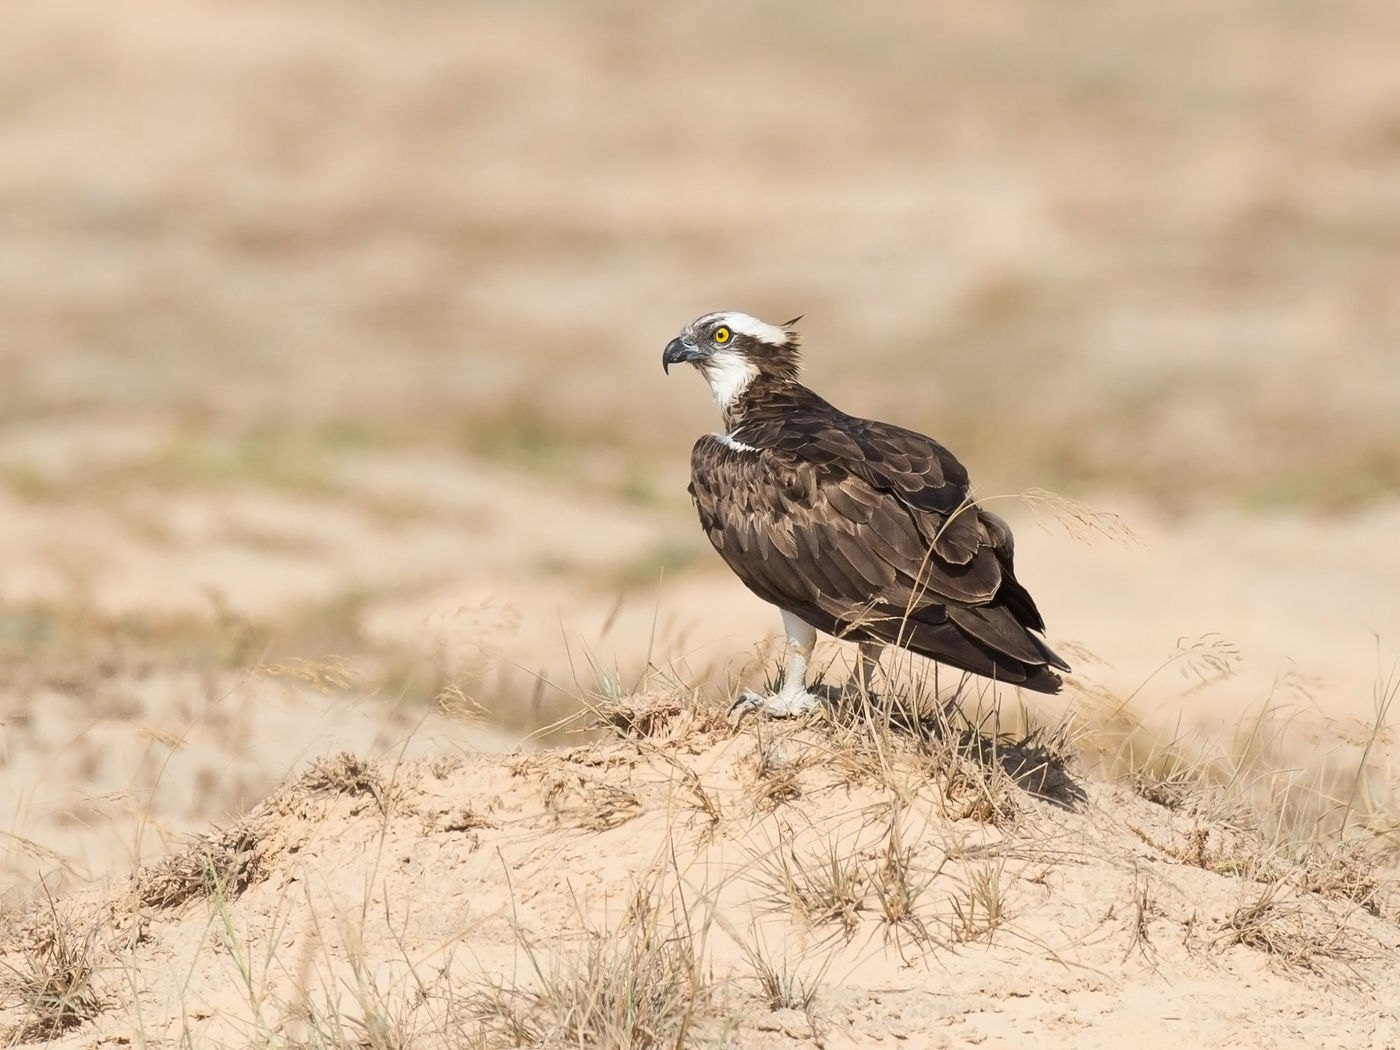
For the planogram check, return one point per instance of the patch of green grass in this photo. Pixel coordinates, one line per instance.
(596, 452)
(28, 482)
(322, 644)
(658, 563)
(277, 459)
(1365, 477)
(527, 436)
(352, 434)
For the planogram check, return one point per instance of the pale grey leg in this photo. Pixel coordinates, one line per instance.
(867, 665)
(792, 697)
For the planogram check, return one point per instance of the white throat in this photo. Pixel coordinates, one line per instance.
(729, 375)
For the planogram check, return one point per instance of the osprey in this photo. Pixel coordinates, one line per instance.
(861, 529)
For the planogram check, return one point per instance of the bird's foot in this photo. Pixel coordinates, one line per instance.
(778, 705)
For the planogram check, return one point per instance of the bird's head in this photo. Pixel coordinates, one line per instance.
(732, 349)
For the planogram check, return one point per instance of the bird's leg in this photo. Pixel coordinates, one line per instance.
(867, 663)
(792, 697)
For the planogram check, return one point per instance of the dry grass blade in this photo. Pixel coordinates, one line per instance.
(1079, 520)
(452, 700)
(1345, 874)
(326, 675)
(699, 797)
(783, 986)
(1145, 909)
(821, 888)
(1385, 692)
(774, 776)
(52, 982)
(1290, 931)
(981, 907)
(896, 887)
(634, 987)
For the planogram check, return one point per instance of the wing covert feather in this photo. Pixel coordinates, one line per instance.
(867, 530)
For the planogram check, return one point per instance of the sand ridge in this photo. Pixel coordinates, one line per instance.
(437, 900)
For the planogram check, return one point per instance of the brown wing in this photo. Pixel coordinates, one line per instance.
(867, 532)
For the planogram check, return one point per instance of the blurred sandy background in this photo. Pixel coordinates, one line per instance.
(331, 333)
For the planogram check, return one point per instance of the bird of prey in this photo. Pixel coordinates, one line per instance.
(861, 529)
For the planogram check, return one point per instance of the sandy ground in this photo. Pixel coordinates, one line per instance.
(614, 893)
(364, 915)
(1195, 628)
(331, 423)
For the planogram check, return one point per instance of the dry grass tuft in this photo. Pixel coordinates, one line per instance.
(641, 716)
(52, 982)
(1290, 931)
(222, 866)
(345, 774)
(700, 797)
(781, 985)
(637, 986)
(1301, 789)
(1038, 760)
(819, 888)
(1145, 910)
(1035, 762)
(981, 906)
(1244, 857)
(1196, 851)
(1166, 782)
(373, 1018)
(773, 776)
(897, 888)
(975, 789)
(1342, 873)
(667, 714)
(1345, 873)
(589, 802)
(980, 769)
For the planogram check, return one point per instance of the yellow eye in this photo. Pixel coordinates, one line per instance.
(721, 334)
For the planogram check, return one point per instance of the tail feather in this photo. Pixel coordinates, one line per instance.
(949, 644)
(1051, 657)
(983, 640)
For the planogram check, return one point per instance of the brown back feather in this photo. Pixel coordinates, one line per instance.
(867, 531)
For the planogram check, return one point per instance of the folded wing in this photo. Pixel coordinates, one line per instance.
(867, 532)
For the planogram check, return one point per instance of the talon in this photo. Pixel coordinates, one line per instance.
(778, 705)
(749, 701)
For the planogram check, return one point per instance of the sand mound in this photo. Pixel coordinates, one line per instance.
(686, 882)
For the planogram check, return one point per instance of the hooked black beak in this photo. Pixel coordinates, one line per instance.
(679, 351)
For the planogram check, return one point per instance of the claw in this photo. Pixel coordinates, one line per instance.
(747, 704)
(748, 698)
(777, 705)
